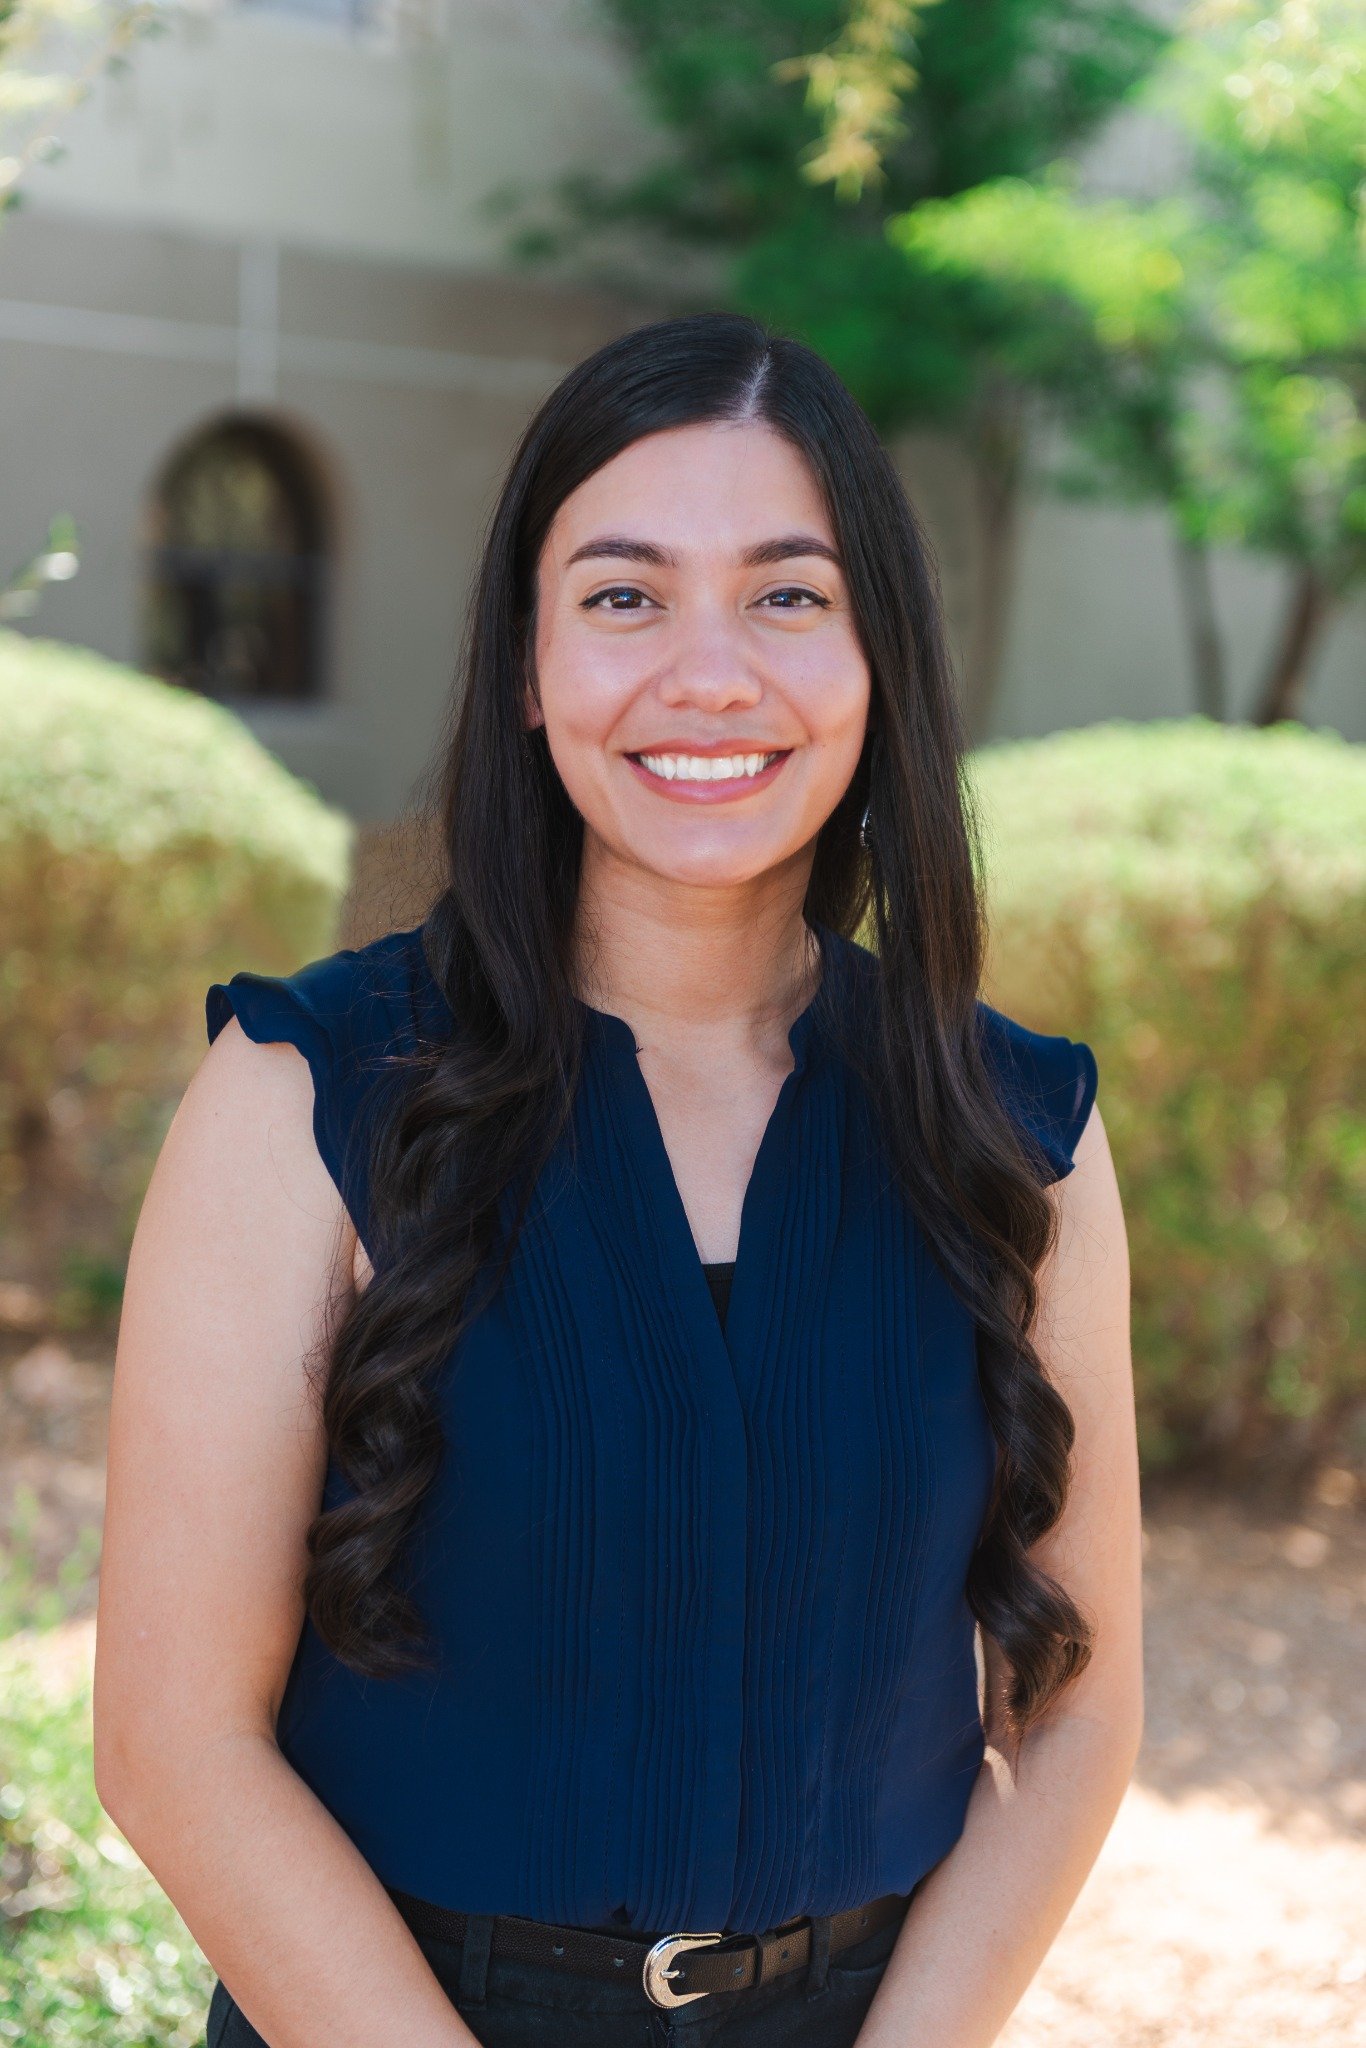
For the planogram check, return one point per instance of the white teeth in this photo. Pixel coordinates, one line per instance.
(702, 768)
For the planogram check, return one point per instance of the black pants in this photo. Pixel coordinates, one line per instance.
(511, 2004)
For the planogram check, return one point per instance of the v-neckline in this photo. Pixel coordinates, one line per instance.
(689, 1268)
(757, 1216)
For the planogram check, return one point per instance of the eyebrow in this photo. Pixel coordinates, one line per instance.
(783, 549)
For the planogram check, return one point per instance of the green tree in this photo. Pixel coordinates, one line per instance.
(1207, 350)
(785, 159)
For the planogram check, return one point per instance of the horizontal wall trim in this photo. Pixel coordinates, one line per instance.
(201, 341)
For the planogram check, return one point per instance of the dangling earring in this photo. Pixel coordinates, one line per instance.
(865, 832)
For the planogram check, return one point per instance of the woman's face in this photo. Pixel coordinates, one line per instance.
(691, 615)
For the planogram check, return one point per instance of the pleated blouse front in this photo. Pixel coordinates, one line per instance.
(696, 1591)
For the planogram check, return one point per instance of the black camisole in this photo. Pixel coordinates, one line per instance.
(719, 1277)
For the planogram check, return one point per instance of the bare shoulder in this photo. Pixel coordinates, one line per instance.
(1084, 1284)
(267, 1090)
(1082, 1335)
(240, 1264)
(249, 1105)
(1084, 1341)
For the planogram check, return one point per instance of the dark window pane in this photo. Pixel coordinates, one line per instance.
(238, 582)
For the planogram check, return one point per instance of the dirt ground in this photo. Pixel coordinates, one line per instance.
(1228, 1906)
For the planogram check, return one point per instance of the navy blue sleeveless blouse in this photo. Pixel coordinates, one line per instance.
(696, 1590)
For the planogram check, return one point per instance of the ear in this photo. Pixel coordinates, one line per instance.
(532, 715)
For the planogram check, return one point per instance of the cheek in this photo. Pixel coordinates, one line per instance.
(831, 689)
(584, 693)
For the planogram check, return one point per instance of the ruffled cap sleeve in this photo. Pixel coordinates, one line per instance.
(1047, 1082)
(312, 1010)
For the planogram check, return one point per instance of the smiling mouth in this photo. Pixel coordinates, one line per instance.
(701, 768)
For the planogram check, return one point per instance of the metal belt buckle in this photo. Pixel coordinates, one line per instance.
(656, 1967)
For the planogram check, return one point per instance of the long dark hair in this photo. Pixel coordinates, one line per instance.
(477, 1115)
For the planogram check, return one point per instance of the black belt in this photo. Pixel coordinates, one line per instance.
(675, 1968)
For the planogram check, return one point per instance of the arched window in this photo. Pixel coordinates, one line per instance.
(238, 567)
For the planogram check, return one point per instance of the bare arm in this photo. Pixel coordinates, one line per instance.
(243, 1251)
(987, 1915)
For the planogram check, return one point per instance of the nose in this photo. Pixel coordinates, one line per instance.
(710, 666)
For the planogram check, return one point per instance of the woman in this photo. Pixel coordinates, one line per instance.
(502, 1637)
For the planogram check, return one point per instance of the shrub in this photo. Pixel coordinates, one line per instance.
(1190, 898)
(148, 845)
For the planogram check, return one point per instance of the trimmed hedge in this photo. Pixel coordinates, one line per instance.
(148, 845)
(1190, 899)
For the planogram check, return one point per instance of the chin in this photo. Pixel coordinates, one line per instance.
(708, 874)
(709, 867)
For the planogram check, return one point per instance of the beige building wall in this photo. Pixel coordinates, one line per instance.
(268, 213)
(408, 387)
(256, 118)
(276, 213)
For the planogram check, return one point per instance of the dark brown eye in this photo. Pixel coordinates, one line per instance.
(617, 590)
